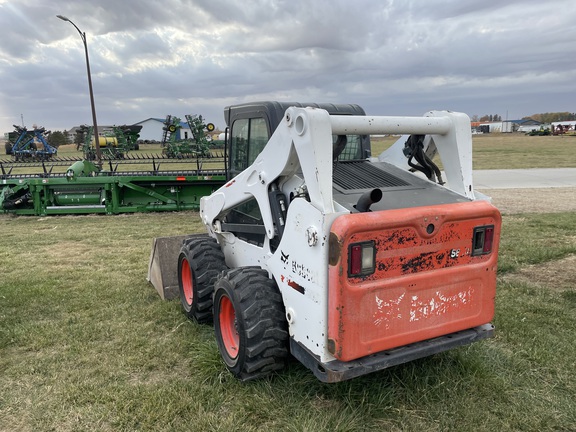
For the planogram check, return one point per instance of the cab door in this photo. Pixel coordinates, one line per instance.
(247, 139)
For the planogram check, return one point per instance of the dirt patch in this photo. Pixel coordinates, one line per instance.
(545, 200)
(559, 274)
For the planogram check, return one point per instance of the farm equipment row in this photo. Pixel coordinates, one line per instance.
(134, 158)
(122, 183)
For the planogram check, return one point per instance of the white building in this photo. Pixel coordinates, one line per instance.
(508, 126)
(152, 130)
(490, 127)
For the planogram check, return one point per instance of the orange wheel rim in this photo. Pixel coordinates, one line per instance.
(228, 330)
(187, 284)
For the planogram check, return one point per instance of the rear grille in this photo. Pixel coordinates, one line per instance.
(363, 175)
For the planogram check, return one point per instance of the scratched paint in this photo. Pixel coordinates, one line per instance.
(420, 308)
(402, 251)
(439, 304)
(387, 311)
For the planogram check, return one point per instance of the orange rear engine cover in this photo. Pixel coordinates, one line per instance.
(426, 281)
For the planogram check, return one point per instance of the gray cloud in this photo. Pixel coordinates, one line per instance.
(176, 57)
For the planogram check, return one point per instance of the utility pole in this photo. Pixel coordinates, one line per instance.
(96, 136)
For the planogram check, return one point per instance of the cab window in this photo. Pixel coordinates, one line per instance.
(352, 149)
(248, 138)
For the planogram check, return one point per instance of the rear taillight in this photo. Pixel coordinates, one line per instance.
(482, 240)
(362, 258)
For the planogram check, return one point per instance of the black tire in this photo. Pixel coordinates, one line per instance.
(249, 323)
(200, 262)
(8, 148)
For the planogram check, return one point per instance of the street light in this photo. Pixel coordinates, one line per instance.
(96, 137)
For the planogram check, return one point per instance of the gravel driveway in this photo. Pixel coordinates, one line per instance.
(541, 200)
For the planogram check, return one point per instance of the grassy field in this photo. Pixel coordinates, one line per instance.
(510, 151)
(87, 344)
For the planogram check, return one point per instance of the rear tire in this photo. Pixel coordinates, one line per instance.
(249, 322)
(200, 262)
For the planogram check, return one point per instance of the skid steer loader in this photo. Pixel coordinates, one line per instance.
(347, 262)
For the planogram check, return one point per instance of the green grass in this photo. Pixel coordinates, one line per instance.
(87, 344)
(536, 239)
(508, 151)
(512, 151)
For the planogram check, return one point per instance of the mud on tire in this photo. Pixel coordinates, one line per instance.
(249, 322)
(200, 262)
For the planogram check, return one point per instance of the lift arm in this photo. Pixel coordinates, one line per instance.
(303, 140)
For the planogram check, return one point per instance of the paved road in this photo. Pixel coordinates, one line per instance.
(525, 178)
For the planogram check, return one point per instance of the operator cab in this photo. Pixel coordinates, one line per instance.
(250, 127)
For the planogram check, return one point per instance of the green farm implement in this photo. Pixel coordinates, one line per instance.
(126, 181)
(114, 144)
(174, 146)
(135, 183)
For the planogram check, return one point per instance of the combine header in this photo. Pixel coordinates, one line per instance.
(127, 183)
(84, 188)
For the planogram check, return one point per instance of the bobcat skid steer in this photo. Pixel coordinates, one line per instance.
(351, 265)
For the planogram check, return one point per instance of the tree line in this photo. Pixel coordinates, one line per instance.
(542, 118)
(58, 138)
(487, 118)
(552, 117)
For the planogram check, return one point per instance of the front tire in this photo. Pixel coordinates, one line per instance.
(200, 262)
(249, 323)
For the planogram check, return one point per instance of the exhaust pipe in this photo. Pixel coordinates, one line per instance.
(367, 199)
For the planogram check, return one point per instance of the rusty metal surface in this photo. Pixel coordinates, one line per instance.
(426, 282)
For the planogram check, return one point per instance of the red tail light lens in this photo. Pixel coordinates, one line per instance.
(362, 259)
(488, 239)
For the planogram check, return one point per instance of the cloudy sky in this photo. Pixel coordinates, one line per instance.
(151, 58)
